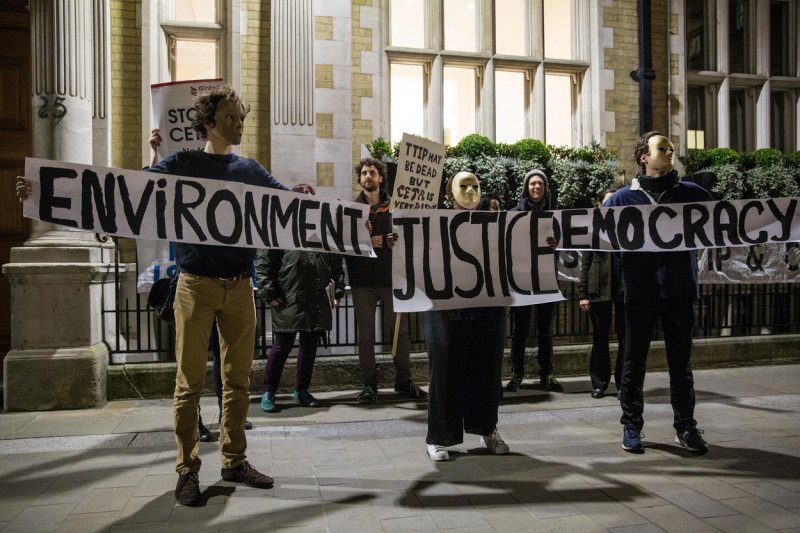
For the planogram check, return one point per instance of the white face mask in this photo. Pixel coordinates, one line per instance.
(661, 156)
(466, 190)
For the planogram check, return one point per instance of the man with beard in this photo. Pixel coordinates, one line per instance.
(371, 280)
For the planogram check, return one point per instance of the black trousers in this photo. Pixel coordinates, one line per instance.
(677, 320)
(521, 320)
(465, 360)
(602, 314)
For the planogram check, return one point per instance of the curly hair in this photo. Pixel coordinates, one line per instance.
(206, 106)
(643, 148)
(372, 162)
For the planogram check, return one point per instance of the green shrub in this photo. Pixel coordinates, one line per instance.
(730, 182)
(492, 173)
(531, 150)
(475, 145)
(695, 160)
(776, 181)
(379, 148)
(724, 156)
(793, 159)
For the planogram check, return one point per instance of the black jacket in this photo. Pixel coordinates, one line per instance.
(374, 271)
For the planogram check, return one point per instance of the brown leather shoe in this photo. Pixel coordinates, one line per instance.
(187, 491)
(247, 475)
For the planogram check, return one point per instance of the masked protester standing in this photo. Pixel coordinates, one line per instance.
(465, 356)
(659, 285)
(535, 197)
(215, 282)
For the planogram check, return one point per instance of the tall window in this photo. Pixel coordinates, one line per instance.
(483, 57)
(408, 28)
(759, 45)
(696, 118)
(558, 30)
(558, 116)
(461, 25)
(739, 30)
(194, 38)
(459, 103)
(699, 48)
(509, 27)
(510, 106)
(407, 100)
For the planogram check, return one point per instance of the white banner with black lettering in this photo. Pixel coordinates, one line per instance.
(144, 205)
(674, 227)
(762, 263)
(447, 259)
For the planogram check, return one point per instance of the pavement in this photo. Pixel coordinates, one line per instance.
(349, 467)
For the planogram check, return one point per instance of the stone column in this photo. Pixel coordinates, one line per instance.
(60, 278)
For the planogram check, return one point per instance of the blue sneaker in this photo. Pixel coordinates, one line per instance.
(268, 402)
(305, 398)
(632, 439)
(692, 440)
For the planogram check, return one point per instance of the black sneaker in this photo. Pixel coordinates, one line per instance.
(515, 382)
(369, 394)
(410, 389)
(247, 475)
(205, 434)
(692, 440)
(631, 439)
(550, 384)
(187, 491)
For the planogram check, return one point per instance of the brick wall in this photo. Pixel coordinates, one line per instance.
(255, 80)
(623, 58)
(126, 84)
(362, 129)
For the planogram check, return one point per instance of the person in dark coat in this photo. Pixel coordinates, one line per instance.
(659, 286)
(296, 284)
(535, 197)
(602, 294)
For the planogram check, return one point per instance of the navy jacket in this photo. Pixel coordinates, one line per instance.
(653, 275)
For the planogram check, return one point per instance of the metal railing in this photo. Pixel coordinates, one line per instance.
(723, 310)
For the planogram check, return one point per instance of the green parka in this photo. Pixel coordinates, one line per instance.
(301, 280)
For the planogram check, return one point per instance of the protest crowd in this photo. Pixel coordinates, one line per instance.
(466, 342)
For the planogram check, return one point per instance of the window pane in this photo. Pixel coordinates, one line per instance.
(738, 116)
(509, 22)
(195, 60)
(408, 23)
(196, 10)
(509, 106)
(777, 108)
(779, 39)
(558, 29)
(459, 103)
(696, 118)
(407, 102)
(739, 36)
(696, 35)
(460, 30)
(558, 110)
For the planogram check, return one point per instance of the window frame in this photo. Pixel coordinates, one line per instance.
(173, 30)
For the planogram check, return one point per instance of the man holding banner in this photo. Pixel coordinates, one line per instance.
(659, 285)
(371, 281)
(215, 282)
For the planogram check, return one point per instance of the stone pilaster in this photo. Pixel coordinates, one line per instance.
(61, 278)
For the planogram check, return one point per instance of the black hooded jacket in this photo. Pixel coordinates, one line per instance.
(525, 201)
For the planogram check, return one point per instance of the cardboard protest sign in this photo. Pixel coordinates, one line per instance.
(144, 205)
(448, 259)
(419, 174)
(173, 112)
(761, 263)
(675, 227)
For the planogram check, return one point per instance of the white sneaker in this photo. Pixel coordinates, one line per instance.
(438, 452)
(495, 443)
